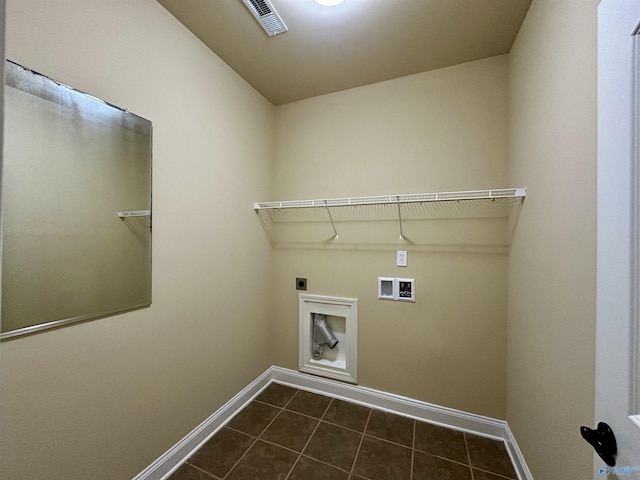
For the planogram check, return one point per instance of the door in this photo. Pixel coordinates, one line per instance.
(617, 400)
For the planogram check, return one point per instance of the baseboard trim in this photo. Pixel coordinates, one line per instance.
(166, 464)
(448, 417)
(517, 458)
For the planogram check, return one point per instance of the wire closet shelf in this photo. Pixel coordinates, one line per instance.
(494, 203)
(393, 199)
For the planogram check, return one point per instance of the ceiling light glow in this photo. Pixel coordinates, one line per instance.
(329, 3)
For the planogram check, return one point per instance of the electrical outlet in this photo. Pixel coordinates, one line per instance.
(401, 258)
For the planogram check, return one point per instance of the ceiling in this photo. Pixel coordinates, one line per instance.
(328, 49)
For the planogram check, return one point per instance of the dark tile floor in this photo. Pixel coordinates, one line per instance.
(289, 434)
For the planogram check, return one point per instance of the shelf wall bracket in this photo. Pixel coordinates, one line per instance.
(400, 218)
(335, 232)
(134, 213)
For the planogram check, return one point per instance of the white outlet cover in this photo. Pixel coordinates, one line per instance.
(401, 258)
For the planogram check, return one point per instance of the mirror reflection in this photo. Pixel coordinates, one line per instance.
(76, 206)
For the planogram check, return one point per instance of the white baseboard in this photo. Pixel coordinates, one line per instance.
(168, 462)
(447, 417)
(517, 458)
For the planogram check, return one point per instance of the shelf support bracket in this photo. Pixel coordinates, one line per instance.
(134, 213)
(335, 232)
(400, 218)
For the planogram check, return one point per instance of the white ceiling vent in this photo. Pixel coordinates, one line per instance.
(267, 16)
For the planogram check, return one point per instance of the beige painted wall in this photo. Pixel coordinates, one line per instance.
(552, 110)
(435, 131)
(442, 130)
(103, 399)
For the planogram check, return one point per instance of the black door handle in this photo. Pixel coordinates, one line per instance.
(603, 441)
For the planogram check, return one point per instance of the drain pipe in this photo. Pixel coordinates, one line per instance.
(322, 335)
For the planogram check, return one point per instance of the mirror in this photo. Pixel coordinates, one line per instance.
(76, 206)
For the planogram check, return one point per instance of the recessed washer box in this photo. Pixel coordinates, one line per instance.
(341, 362)
(386, 288)
(398, 289)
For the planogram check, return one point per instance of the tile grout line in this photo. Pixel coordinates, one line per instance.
(326, 463)
(483, 469)
(209, 474)
(413, 449)
(499, 475)
(389, 441)
(457, 462)
(466, 446)
(310, 436)
(239, 431)
(240, 459)
(327, 408)
(293, 466)
(298, 453)
(257, 437)
(289, 401)
(355, 458)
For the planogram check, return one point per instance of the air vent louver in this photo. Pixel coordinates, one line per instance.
(267, 16)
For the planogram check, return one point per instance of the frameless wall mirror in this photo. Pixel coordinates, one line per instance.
(76, 206)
